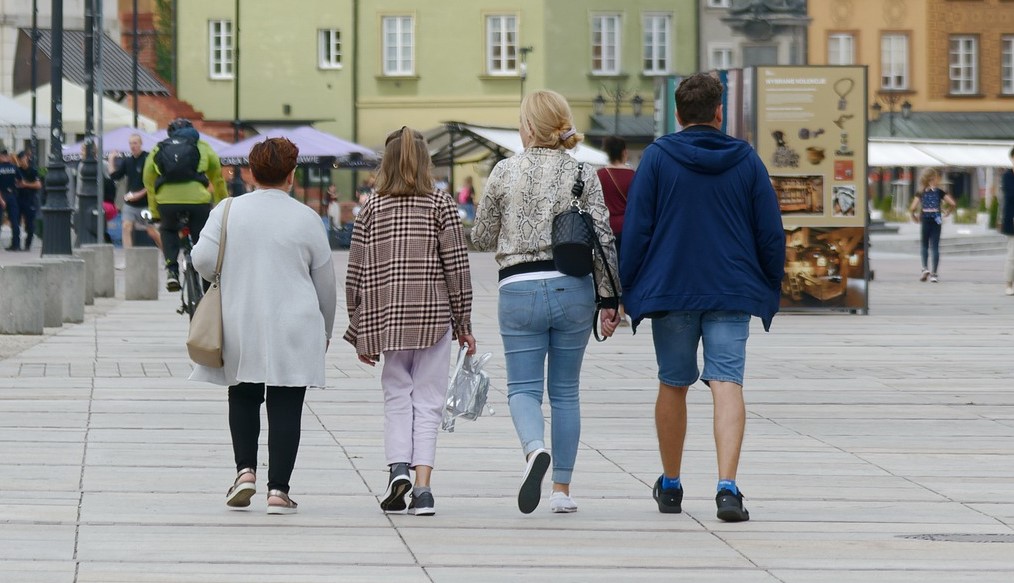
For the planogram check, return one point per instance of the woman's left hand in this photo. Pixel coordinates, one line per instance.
(609, 319)
(370, 359)
(468, 339)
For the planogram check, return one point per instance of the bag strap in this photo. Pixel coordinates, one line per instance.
(578, 187)
(612, 286)
(221, 244)
(616, 184)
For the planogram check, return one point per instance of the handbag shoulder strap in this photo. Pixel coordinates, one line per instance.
(221, 244)
(578, 187)
(617, 185)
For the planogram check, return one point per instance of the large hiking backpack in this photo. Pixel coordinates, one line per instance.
(177, 160)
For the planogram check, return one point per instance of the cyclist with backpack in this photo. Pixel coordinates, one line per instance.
(176, 176)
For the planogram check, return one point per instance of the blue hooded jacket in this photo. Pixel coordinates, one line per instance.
(702, 229)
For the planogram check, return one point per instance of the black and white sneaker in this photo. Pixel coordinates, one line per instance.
(172, 281)
(730, 506)
(398, 487)
(530, 492)
(422, 504)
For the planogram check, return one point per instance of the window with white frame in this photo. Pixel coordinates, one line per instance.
(963, 70)
(606, 44)
(1007, 66)
(657, 43)
(220, 49)
(330, 48)
(502, 45)
(841, 49)
(719, 3)
(894, 61)
(398, 45)
(719, 57)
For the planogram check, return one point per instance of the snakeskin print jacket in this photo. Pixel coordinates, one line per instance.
(523, 194)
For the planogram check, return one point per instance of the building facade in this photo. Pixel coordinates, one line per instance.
(362, 69)
(287, 67)
(749, 33)
(425, 63)
(938, 70)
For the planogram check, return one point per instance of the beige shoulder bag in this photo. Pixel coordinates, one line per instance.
(204, 342)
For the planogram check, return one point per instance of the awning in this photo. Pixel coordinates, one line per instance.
(899, 154)
(114, 115)
(922, 153)
(499, 141)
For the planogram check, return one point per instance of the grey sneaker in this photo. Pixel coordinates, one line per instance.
(398, 487)
(422, 504)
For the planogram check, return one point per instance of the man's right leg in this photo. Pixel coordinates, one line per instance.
(671, 426)
(676, 336)
(170, 231)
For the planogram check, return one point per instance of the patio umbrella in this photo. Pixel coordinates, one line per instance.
(114, 140)
(315, 148)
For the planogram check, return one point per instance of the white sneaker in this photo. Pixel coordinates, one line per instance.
(561, 503)
(1009, 290)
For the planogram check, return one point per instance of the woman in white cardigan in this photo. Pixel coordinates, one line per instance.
(278, 307)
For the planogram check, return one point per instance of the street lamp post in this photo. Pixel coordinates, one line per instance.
(892, 99)
(238, 187)
(617, 96)
(35, 80)
(56, 214)
(87, 188)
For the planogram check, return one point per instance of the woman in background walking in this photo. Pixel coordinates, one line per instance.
(928, 209)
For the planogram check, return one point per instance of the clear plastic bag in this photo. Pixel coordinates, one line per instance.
(467, 389)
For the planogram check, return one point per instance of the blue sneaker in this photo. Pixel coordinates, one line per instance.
(669, 501)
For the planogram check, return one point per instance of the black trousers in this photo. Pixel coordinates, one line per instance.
(285, 409)
(170, 228)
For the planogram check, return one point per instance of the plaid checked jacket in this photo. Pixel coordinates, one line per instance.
(408, 276)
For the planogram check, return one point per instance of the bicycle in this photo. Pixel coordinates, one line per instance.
(191, 284)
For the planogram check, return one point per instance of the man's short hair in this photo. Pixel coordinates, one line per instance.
(1012, 152)
(697, 98)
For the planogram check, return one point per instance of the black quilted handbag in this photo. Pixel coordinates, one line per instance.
(574, 235)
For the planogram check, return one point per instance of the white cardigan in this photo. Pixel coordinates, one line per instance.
(278, 291)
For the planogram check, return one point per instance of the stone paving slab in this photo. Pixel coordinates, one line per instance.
(862, 430)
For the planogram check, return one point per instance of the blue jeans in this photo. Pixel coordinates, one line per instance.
(540, 318)
(930, 241)
(676, 337)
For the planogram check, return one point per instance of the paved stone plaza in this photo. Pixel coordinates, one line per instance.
(870, 440)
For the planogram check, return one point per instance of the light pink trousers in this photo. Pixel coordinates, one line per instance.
(415, 388)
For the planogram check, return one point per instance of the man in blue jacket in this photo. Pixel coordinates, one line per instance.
(703, 250)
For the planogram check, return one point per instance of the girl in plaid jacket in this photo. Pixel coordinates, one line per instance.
(409, 292)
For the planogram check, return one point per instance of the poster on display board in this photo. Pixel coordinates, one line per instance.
(811, 134)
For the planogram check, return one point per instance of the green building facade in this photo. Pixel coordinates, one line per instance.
(360, 69)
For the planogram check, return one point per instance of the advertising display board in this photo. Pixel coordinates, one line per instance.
(811, 134)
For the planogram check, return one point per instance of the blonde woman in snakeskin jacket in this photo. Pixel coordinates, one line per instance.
(542, 312)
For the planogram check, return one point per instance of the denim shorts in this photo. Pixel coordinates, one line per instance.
(677, 334)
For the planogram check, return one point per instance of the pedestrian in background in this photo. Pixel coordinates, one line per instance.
(9, 198)
(544, 314)
(29, 186)
(135, 200)
(616, 178)
(703, 250)
(466, 199)
(278, 306)
(1007, 225)
(928, 208)
(409, 293)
